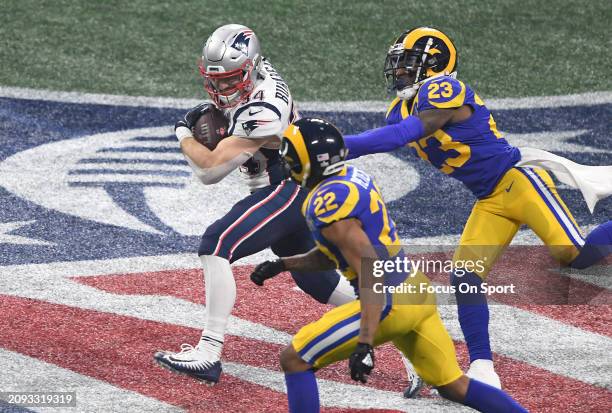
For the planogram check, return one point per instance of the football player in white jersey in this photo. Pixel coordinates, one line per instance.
(258, 105)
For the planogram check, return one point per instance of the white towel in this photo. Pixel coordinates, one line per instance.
(595, 182)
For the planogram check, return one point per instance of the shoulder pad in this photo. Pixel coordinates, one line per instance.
(257, 120)
(442, 92)
(331, 202)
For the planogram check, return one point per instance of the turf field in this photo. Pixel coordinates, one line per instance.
(507, 48)
(100, 217)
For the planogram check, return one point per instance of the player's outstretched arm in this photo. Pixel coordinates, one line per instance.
(313, 260)
(395, 136)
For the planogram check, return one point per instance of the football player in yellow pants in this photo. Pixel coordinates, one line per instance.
(448, 125)
(348, 218)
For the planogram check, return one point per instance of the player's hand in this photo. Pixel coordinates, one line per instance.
(361, 362)
(184, 127)
(267, 269)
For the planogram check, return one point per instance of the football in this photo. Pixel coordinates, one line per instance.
(211, 128)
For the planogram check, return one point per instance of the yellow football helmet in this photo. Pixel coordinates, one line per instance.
(416, 55)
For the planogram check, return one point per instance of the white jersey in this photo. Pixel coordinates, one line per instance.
(267, 112)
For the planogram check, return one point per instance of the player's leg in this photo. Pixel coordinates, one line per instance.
(431, 349)
(327, 287)
(548, 216)
(317, 344)
(242, 231)
(597, 245)
(485, 236)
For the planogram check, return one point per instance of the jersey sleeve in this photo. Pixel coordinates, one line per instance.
(257, 120)
(333, 202)
(441, 93)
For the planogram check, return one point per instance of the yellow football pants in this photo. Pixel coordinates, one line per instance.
(416, 330)
(523, 196)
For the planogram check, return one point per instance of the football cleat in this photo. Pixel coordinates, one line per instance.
(482, 370)
(414, 387)
(191, 361)
(415, 383)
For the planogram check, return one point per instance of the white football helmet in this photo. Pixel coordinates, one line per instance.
(230, 63)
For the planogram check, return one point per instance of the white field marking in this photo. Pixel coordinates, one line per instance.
(51, 283)
(552, 141)
(41, 175)
(48, 282)
(148, 144)
(6, 238)
(23, 373)
(336, 394)
(598, 275)
(511, 331)
(165, 156)
(131, 166)
(133, 179)
(581, 99)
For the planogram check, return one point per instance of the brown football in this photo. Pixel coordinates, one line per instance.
(210, 128)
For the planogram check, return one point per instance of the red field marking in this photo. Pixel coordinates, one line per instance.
(532, 386)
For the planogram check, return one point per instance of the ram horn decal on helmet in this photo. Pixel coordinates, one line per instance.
(415, 56)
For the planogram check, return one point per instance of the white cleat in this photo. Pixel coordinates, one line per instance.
(483, 371)
(193, 362)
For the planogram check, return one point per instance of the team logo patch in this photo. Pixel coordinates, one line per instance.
(250, 125)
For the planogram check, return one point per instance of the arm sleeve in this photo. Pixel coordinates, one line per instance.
(384, 139)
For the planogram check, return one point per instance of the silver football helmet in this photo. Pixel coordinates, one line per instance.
(231, 60)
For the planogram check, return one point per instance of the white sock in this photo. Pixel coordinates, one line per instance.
(220, 297)
(408, 366)
(344, 293)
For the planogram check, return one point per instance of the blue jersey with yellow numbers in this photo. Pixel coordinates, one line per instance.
(472, 151)
(350, 194)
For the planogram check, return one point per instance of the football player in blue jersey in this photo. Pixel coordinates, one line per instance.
(448, 125)
(349, 221)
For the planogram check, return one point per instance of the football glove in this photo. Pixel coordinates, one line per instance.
(183, 128)
(361, 362)
(267, 269)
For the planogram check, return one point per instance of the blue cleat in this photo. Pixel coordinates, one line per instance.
(191, 361)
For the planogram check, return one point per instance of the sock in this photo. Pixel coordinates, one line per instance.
(342, 294)
(485, 398)
(596, 246)
(302, 392)
(410, 372)
(473, 316)
(220, 297)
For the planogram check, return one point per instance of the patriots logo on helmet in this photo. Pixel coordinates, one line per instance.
(241, 41)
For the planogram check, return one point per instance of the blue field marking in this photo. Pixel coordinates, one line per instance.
(438, 206)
